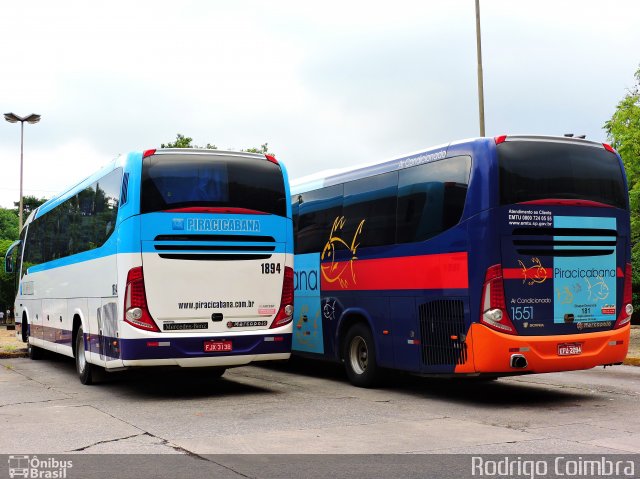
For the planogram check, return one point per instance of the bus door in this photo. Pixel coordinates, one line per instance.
(406, 333)
(108, 337)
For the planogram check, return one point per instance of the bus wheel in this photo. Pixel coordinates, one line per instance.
(25, 330)
(85, 370)
(34, 352)
(360, 357)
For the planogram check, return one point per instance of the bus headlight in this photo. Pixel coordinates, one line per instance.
(493, 315)
(134, 314)
(628, 309)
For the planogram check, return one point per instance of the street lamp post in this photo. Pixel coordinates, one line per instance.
(480, 82)
(13, 118)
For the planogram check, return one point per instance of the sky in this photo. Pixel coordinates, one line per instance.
(326, 84)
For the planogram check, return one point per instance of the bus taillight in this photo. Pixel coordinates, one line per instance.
(285, 313)
(627, 300)
(135, 302)
(494, 309)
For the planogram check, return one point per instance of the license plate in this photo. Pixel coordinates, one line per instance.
(569, 349)
(217, 346)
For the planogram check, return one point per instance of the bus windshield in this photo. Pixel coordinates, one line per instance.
(185, 181)
(536, 170)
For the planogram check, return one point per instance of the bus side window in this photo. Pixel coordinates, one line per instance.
(317, 212)
(372, 200)
(431, 198)
(295, 212)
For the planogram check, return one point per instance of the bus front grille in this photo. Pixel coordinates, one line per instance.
(442, 332)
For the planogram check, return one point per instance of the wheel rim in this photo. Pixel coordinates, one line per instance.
(358, 355)
(82, 361)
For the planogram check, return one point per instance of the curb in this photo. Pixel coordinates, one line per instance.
(19, 353)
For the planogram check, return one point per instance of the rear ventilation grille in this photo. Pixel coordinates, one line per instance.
(214, 247)
(215, 257)
(576, 242)
(219, 238)
(442, 332)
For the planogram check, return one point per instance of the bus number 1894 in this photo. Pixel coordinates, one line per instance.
(270, 268)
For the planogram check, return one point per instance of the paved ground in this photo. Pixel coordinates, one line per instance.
(310, 408)
(12, 347)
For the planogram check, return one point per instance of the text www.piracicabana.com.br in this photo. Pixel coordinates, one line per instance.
(216, 304)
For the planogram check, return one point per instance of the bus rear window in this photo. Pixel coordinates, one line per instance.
(184, 181)
(538, 170)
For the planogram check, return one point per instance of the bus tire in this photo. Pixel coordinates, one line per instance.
(34, 352)
(25, 330)
(85, 370)
(360, 357)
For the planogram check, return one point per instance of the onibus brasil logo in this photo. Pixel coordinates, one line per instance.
(36, 468)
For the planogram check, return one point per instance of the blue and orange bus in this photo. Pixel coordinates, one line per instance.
(484, 257)
(172, 257)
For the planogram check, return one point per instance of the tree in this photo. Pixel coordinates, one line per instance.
(7, 284)
(264, 149)
(8, 225)
(185, 142)
(623, 131)
(29, 204)
(182, 141)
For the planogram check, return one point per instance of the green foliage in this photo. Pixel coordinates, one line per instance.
(623, 131)
(264, 149)
(8, 234)
(29, 204)
(7, 291)
(8, 225)
(182, 141)
(185, 142)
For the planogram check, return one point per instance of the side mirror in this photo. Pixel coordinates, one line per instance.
(9, 260)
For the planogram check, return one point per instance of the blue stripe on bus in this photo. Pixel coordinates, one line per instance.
(127, 238)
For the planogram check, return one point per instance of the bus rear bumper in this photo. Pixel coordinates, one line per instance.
(493, 352)
(221, 361)
(190, 352)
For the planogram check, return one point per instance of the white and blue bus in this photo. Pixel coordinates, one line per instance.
(172, 257)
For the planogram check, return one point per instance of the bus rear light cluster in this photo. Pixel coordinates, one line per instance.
(285, 313)
(627, 298)
(135, 302)
(494, 309)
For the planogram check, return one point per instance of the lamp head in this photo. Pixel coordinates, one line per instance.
(33, 118)
(12, 117)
